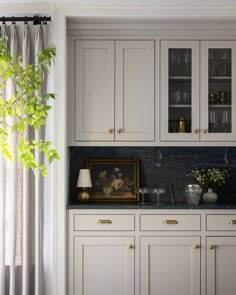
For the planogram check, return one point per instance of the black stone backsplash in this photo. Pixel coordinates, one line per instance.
(162, 167)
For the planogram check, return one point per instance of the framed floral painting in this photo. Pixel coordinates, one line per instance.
(114, 180)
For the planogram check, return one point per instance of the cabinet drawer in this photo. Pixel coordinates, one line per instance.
(103, 222)
(170, 222)
(221, 222)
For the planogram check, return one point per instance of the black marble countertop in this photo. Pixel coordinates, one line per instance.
(151, 206)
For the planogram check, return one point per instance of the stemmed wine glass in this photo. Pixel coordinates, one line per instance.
(158, 192)
(225, 119)
(143, 191)
(213, 118)
(224, 60)
(186, 61)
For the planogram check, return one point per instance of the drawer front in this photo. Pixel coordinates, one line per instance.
(103, 222)
(221, 222)
(170, 222)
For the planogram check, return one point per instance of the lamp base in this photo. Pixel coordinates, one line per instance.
(83, 196)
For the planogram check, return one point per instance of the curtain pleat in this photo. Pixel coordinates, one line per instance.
(26, 207)
(21, 191)
(2, 210)
(13, 174)
(38, 258)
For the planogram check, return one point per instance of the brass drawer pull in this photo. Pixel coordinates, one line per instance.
(104, 221)
(131, 247)
(212, 247)
(197, 246)
(233, 221)
(170, 221)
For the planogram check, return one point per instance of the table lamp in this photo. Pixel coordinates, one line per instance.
(84, 181)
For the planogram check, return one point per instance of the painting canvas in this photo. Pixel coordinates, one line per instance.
(114, 180)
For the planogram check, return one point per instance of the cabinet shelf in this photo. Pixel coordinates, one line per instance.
(220, 106)
(225, 78)
(180, 78)
(180, 106)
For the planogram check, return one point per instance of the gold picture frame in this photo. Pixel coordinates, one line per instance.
(114, 180)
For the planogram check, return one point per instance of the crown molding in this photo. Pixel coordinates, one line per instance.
(150, 27)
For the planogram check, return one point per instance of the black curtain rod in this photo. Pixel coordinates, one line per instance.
(36, 19)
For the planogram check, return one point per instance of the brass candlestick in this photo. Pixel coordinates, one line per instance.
(83, 195)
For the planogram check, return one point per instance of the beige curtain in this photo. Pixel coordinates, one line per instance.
(21, 197)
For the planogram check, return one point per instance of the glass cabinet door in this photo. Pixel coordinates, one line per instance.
(179, 90)
(218, 91)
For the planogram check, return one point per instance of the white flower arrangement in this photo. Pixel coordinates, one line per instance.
(210, 177)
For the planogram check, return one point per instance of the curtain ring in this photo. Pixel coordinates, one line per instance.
(26, 20)
(45, 20)
(13, 20)
(3, 20)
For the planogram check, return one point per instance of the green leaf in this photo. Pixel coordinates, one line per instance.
(27, 106)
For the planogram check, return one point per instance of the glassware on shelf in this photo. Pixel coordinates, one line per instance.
(158, 192)
(178, 64)
(225, 119)
(224, 61)
(186, 97)
(213, 118)
(172, 62)
(187, 62)
(177, 96)
(211, 60)
(143, 191)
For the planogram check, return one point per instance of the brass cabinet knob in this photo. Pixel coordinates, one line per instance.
(212, 247)
(131, 247)
(110, 130)
(197, 246)
(119, 130)
(232, 221)
(196, 130)
(205, 131)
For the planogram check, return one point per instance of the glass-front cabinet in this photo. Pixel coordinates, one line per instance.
(197, 91)
(179, 90)
(218, 90)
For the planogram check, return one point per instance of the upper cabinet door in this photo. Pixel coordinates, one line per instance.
(134, 91)
(94, 90)
(218, 91)
(179, 91)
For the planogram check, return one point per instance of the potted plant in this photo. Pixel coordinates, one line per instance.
(27, 106)
(210, 178)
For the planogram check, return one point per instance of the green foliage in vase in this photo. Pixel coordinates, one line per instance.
(211, 178)
(26, 108)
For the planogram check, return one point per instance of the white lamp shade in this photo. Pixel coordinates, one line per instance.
(84, 179)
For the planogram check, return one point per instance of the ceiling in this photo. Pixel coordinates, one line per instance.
(154, 8)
